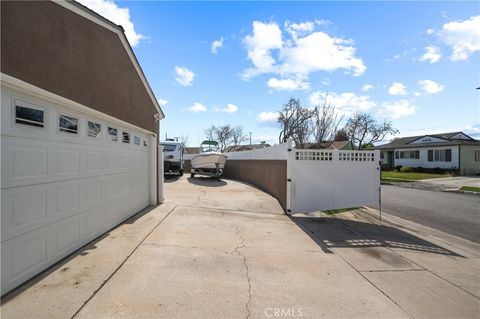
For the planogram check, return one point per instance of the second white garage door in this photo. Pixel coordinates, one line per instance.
(67, 177)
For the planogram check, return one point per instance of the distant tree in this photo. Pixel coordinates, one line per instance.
(341, 135)
(295, 122)
(237, 135)
(326, 121)
(221, 134)
(210, 132)
(363, 129)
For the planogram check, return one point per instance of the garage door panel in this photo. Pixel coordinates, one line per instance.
(67, 235)
(93, 162)
(23, 210)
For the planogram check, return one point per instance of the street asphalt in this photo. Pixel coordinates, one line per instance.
(457, 214)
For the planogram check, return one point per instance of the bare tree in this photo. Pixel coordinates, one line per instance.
(237, 135)
(341, 135)
(363, 129)
(222, 134)
(295, 122)
(210, 132)
(326, 121)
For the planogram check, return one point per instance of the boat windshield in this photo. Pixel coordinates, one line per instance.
(209, 146)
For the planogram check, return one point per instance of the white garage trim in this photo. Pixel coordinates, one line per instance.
(27, 88)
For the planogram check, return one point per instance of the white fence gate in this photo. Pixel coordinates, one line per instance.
(330, 179)
(323, 179)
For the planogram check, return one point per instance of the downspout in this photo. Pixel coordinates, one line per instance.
(459, 163)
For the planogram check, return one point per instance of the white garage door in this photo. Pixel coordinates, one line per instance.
(67, 177)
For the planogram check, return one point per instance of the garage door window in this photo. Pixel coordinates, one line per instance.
(94, 129)
(29, 116)
(126, 137)
(113, 133)
(136, 140)
(68, 124)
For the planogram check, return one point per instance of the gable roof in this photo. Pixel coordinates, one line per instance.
(406, 142)
(339, 145)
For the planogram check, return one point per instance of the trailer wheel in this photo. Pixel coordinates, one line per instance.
(180, 172)
(192, 175)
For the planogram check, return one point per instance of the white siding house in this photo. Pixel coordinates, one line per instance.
(449, 151)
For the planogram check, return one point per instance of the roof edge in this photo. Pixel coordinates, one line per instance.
(91, 15)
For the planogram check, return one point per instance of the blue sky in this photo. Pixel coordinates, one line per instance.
(413, 63)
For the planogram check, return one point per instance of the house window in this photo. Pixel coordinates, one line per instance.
(397, 155)
(402, 154)
(113, 133)
(136, 140)
(477, 155)
(29, 116)
(93, 129)
(440, 155)
(68, 124)
(126, 137)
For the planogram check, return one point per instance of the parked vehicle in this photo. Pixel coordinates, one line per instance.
(172, 156)
(209, 162)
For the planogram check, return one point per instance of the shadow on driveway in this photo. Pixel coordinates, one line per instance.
(344, 233)
(206, 181)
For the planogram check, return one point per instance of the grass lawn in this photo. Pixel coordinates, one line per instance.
(340, 210)
(470, 189)
(401, 176)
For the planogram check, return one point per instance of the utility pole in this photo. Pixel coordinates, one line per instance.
(250, 138)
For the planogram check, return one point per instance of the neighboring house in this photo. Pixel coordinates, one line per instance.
(79, 133)
(452, 151)
(247, 147)
(339, 145)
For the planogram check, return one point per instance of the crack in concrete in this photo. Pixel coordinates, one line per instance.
(247, 271)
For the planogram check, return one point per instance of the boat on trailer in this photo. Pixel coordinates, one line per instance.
(210, 161)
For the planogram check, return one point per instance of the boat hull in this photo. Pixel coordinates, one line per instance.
(208, 161)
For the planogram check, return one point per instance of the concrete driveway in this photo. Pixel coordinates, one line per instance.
(453, 182)
(226, 250)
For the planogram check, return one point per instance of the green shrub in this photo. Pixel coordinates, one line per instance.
(406, 169)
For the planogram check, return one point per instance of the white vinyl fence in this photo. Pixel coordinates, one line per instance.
(331, 179)
(321, 179)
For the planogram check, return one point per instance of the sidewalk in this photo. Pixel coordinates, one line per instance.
(441, 184)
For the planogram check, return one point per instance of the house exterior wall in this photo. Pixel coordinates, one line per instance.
(468, 165)
(53, 48)
(423, 160)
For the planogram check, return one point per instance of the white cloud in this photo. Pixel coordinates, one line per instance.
(397, 88)
(197, 108)
(397, 109)
(217, 44)
(184, 76)
(230, 108)
(430, 87)
(288, 84)
(303, 51)
(121, 16)
(367, 87)
(299, 29)
(345, 103)
(430, 31)
(265, 37)
(162, 102)
(267, 117)
(462, 36)
(431, 55)
(320, 52)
